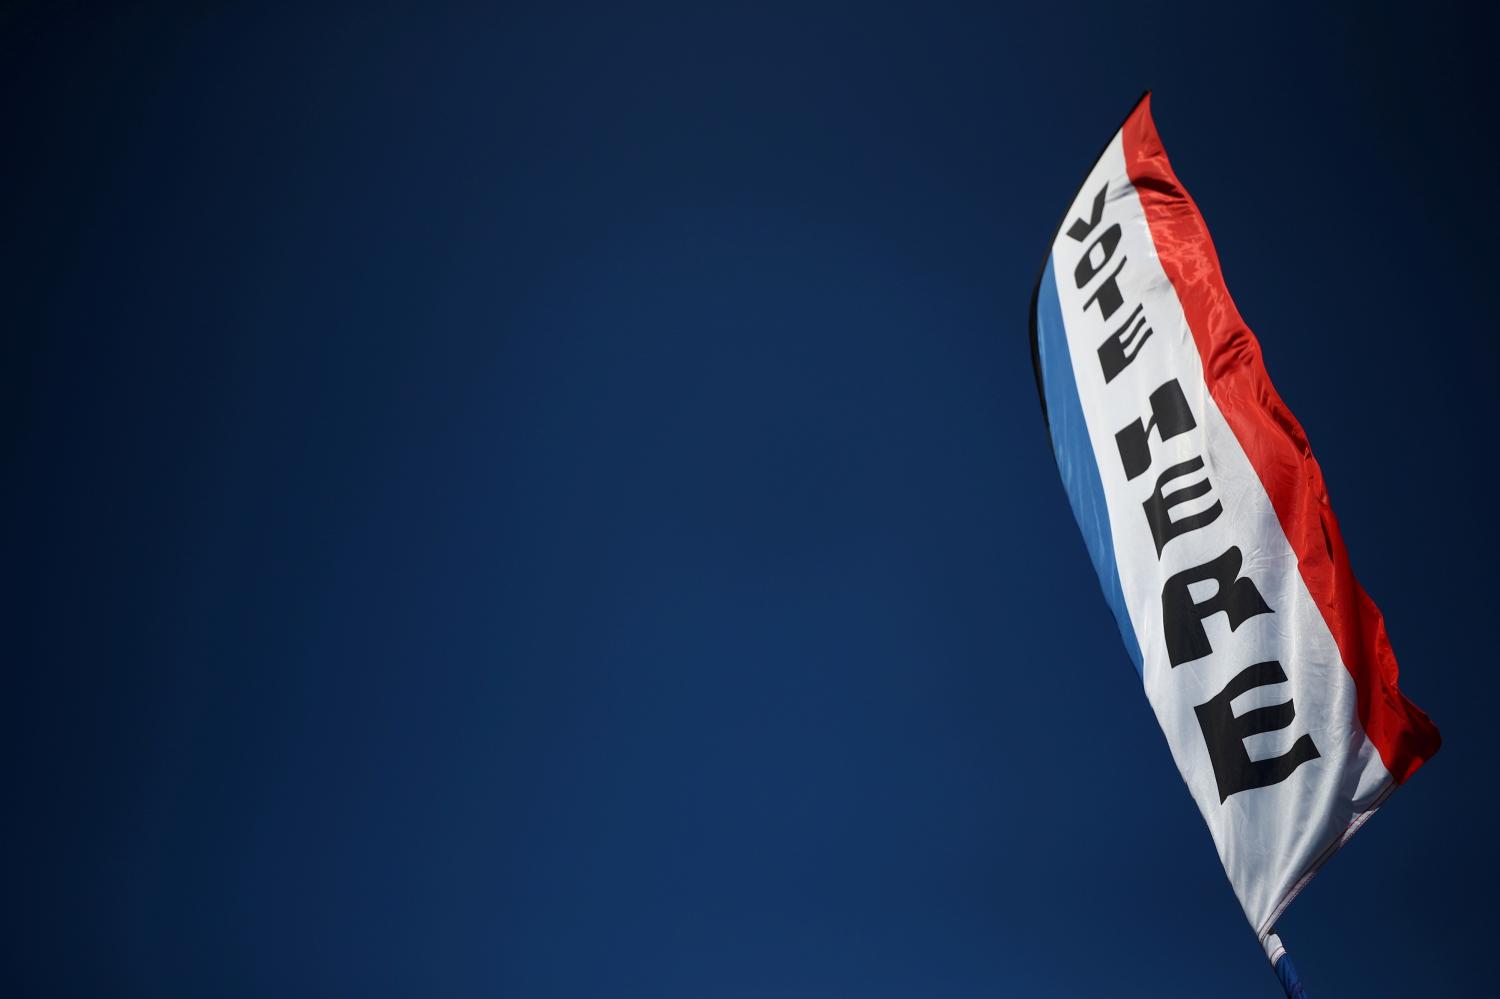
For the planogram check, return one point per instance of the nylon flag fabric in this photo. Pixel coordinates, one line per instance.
(1208, 522)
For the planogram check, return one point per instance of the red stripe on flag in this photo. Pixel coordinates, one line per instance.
(1278, 449)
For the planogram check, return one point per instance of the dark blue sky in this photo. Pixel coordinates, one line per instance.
(553, 503)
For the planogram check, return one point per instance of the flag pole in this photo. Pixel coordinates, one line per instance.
(1281, 963)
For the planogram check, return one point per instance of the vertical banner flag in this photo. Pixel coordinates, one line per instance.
(1207, 520)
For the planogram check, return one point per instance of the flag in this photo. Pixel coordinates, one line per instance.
(1208, 523)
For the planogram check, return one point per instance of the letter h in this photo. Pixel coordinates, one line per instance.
(1170, 416)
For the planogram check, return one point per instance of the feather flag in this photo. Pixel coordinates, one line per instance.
(1208, 522)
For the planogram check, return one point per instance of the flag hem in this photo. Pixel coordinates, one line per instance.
(1355, 825)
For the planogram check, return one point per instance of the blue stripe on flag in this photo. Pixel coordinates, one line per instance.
(1075, 454)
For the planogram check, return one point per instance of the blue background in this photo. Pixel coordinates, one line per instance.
(553, 502)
